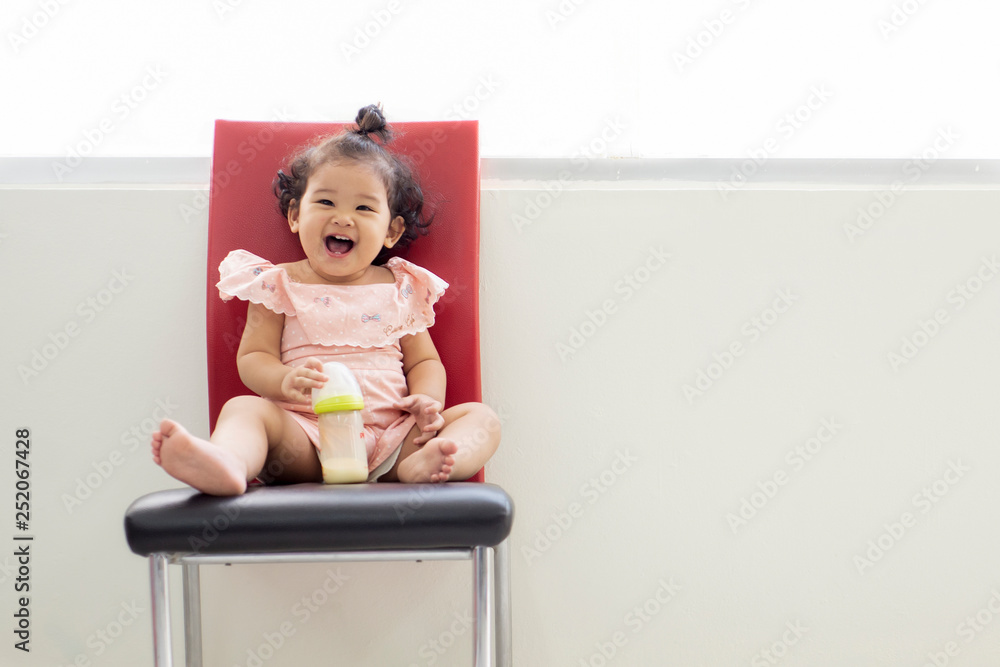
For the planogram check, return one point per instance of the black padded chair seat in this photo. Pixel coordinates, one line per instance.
(318, 517)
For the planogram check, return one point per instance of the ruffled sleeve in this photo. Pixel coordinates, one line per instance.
(417, 291)
(246, 276)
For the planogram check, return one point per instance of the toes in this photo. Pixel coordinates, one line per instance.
(167, 428)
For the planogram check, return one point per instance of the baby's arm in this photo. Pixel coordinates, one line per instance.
(426, 381)
(259, 360)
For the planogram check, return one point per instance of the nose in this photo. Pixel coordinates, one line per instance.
(343, 218)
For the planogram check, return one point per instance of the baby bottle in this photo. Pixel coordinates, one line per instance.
(342, 451)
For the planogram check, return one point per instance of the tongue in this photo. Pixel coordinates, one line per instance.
(338, 246)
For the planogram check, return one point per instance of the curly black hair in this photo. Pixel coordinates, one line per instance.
(366, 144)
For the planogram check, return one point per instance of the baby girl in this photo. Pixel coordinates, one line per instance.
(350, 201)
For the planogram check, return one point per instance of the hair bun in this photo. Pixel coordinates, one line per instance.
(371, 121)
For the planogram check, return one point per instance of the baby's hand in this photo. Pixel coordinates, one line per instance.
(428, 414)
(298, 384)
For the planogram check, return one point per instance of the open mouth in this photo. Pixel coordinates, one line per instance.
(338, 245)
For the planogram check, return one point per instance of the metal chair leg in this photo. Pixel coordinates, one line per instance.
(482, 603)
(160, 594)
(501, 578)
(192, 615)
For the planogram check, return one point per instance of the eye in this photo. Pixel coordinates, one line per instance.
(365, 207)
(325, 202)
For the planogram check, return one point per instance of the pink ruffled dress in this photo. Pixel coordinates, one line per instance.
(357, 325)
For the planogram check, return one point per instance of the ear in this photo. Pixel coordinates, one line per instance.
(396, 228)
(293, 216)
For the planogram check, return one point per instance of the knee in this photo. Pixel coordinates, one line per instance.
(488, 420)
(244, 405)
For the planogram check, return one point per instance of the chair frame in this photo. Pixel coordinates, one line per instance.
(491, 626)
(490, 564)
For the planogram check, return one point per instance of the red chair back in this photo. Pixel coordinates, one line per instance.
(243, 213)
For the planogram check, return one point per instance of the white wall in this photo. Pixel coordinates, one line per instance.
(622, 485)
(854, 78)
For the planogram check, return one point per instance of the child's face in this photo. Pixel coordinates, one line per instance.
(343, 221)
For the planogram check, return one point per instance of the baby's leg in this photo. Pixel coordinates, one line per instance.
(250, 433)
(469, 437)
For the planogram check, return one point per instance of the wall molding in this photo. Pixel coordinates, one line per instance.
(717, 172)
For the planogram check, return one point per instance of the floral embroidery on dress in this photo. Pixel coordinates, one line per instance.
(257, 271)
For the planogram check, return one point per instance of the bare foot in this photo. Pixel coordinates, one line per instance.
(207, 467)
(430, 463)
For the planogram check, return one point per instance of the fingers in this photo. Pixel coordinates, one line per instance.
(427, 412)
(300, 382)
(318, 377)
(434, 425)
(430, 421)
(315, 364)
(421, 404)
(303, 383)
(434, 419)
(429, 417)
(406, 403)
(414, 399)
